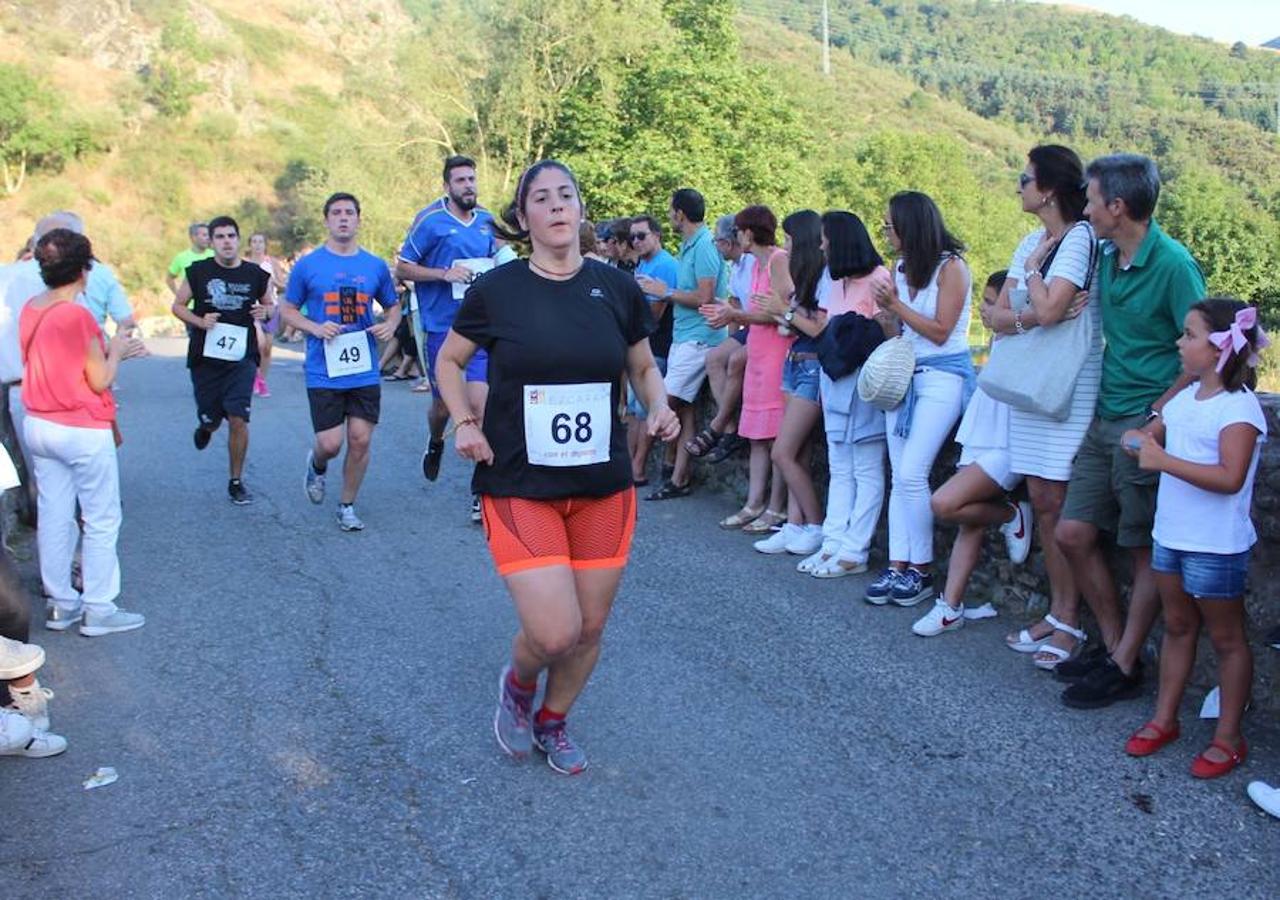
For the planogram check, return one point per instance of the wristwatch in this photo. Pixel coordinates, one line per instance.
(1152, 413)
(789, 316)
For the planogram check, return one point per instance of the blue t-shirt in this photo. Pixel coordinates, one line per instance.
(340, 289)
(662, 265)
(437, 239)
(699, 259)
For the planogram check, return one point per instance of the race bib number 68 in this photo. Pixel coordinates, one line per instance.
(567, 424)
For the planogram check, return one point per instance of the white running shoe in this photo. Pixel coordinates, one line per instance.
(58, 618)
(347, 518)
(1017, 533)
(18, 660)
(313, 481)
(777, 542)
(96, 625)
(940, 619)
(805, 541)
(18, 737)
(1267, 797)
(33, 702)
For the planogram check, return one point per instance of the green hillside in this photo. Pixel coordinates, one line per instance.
(145, 115)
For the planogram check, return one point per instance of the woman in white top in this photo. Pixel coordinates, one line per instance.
(1046, 275)
(266, 331)
(930, 295)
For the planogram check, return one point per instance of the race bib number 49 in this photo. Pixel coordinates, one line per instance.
(225, 342)
(567, 424)
(347, 354)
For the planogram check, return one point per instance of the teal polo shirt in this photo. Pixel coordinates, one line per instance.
(1142, 311)
(699, 259)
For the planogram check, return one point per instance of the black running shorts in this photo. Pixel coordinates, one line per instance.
(330, 408)
(223, 390)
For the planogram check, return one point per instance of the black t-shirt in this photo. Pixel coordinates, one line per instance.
(542, 334)
(230, 293)
(660, 340)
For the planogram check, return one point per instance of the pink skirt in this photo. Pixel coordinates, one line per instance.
(762, 398)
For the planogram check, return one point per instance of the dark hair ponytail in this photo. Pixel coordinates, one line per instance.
(509, 227)
(1060, 171)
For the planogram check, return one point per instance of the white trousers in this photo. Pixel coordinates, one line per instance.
(939, 397)
(854, 497)
(76, 464)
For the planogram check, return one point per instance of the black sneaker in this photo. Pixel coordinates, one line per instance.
(1104, 686)
(431, 460)
(1074, 670)
(202, 437)
(238, 493)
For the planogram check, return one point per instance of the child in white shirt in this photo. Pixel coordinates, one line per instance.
(1211, 433)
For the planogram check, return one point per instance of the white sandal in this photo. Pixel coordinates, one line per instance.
(835, 567)
(814, 561)
(1028, 644)
(1060, 655)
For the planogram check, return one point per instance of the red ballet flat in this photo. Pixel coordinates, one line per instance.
(1145, 746)
(1204, 767)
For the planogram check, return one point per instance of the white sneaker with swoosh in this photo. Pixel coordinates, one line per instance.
(941, 618)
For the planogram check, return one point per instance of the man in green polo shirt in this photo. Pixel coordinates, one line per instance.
(176, 275)
(701, 277)
(1147, 281)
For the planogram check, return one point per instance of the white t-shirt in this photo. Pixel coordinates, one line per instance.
(1190, 518)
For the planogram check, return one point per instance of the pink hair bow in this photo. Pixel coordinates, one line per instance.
(1232, 340)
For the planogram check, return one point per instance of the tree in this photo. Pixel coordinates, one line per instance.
(34, 132)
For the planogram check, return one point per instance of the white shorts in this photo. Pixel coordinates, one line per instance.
(686, 369)
(996, 463)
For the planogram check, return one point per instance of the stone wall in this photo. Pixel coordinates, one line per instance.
(1021, 592)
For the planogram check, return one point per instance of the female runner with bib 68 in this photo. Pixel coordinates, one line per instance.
(552, 468)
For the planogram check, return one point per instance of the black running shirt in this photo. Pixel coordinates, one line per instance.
(230, 293)
(557, 351)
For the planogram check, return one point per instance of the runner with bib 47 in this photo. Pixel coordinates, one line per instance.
(552, 469)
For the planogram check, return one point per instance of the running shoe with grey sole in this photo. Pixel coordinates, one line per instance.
(563, 754)
(347, 518)
(313, 481)
(56, 618)
(111, 623)
(511, 718)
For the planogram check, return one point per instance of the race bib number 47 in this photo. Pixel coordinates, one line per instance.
(225, 342)
(567, 424)
(347, 354)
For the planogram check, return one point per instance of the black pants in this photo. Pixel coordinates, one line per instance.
(15, 602)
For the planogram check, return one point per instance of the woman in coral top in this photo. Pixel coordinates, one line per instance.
(66, 387)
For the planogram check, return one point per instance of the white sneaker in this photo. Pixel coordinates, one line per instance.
(18, 737)
(777, 542)
(33, 702)
(347, 518)
(95, 625)
(1267, 797)
(1017, 533)
(15, 730)
(18, 659)
(805, 540)
(941, 618)
(813, 560)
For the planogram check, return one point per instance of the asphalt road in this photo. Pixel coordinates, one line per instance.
(307, 714)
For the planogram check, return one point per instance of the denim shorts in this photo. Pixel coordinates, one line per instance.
(800, 378)
(1205, 576)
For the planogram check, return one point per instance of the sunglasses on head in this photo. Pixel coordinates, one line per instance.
(639, 235)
